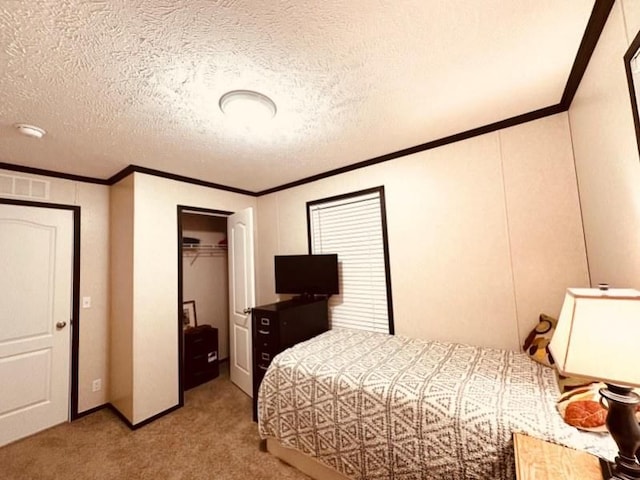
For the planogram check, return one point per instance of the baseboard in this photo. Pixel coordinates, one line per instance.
(91, 410)
(144, 422)
(121, 416)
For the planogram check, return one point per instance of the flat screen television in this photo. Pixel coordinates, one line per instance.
(307, 275)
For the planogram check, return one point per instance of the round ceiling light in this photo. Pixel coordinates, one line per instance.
(30, 130)
(247, 106)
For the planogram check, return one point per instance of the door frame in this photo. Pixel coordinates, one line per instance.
(186, 209)
(75, 294)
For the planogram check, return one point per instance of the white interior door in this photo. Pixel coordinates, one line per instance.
(36, 257)
(241, 297)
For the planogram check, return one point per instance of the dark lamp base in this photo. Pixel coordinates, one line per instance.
(607, 469)
(624, 429)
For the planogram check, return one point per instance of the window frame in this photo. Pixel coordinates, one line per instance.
(385, 239)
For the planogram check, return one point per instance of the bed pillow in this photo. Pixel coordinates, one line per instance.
(536, 345)
(568, 384)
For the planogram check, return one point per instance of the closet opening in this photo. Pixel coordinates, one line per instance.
(203, 295)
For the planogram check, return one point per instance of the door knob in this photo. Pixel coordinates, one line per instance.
(247, 310)
(61, 325)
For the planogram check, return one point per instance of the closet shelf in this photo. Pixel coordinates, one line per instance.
(196, 250)
(203, 247)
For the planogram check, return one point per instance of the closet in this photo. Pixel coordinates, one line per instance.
(205, 295)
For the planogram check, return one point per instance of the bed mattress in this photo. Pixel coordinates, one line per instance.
(375, 406)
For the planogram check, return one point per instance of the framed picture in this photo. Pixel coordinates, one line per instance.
(189, 314)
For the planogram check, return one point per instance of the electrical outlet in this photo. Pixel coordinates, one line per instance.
(96, 385)
(86, 302)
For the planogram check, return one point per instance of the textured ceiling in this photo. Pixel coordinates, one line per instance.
(138, 81)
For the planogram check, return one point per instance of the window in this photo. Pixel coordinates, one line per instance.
(354, 227)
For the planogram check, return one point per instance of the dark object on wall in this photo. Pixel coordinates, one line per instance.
(201, 362)
(280, 325)
(307, 274)
(630, 57)
(190, 240)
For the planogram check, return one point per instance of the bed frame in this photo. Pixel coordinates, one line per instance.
(306, 464)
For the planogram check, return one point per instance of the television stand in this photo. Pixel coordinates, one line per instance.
(280, 325)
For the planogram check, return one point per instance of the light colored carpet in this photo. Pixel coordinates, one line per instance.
(211, 437)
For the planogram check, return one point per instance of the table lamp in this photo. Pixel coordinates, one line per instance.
(598, 336)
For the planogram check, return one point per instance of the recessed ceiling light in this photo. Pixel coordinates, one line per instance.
(247, 105)
(30, 130)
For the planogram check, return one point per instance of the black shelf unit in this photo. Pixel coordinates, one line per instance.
(201, 362)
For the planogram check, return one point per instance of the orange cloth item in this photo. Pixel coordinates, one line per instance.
(585, 414)
(583, 408)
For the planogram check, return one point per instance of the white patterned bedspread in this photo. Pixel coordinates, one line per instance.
(376, 406)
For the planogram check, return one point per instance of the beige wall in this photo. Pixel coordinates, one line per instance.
(631, 12)
(484, 234)
(94, 280)
(155, 333)
(606, 155)
(206, 276)
(121, 325)
(543, 215)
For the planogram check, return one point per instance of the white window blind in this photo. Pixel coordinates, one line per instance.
(352, 227)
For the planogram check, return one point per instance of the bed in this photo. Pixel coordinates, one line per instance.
(363, 405)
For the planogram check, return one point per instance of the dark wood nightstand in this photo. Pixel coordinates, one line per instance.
(540, 460)
(200, 355)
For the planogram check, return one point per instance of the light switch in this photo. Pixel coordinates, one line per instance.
(86, 302)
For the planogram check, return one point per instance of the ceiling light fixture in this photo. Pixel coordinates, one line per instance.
(30, 130)
(247, 105)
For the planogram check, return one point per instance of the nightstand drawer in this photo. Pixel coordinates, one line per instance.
(264, 356)
(266, 339)
(265, 320)
(265, 344)
(265, 324)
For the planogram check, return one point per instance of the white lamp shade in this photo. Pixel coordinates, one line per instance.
(598, 335)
